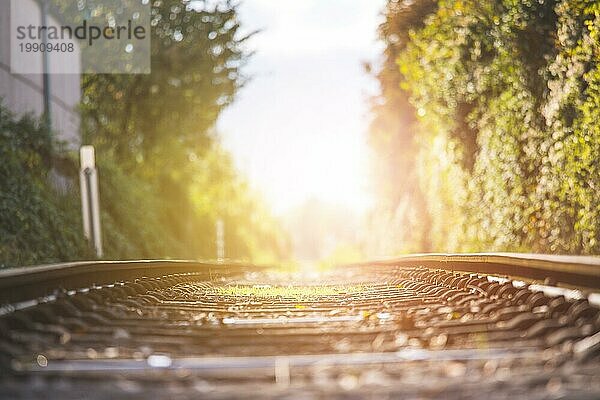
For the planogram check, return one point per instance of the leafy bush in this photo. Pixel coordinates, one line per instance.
(37, 223)
(40, 224)
(505, 98)
(164, 180)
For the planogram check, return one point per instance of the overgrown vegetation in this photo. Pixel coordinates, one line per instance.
(173, 181)
(37, 223)
(164, 179)
(294, 292)
(486, 128)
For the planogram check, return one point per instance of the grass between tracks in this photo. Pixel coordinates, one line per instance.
(295, 292)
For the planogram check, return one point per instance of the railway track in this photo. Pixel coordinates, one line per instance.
(430, 326)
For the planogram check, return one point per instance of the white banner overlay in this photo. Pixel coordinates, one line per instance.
(71, 36)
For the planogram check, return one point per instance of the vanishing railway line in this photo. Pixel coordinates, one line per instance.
(430, 326)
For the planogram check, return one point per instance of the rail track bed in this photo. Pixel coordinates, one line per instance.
(385, 331)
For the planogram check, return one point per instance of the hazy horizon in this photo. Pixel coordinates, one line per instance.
(308, 94)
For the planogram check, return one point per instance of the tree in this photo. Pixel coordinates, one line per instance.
(156, 134)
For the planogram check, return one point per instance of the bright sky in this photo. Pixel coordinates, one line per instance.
(298, 129)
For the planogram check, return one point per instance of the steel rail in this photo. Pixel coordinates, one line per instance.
(26, 283)
(581, 271)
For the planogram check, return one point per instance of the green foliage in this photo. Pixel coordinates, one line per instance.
(196, 56)
(37, 223)
(218, 192)
(135, 225)
(130, 214)
(164, 180)
(505, 95)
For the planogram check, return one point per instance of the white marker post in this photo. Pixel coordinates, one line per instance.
(220, 240)
(90, 200)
